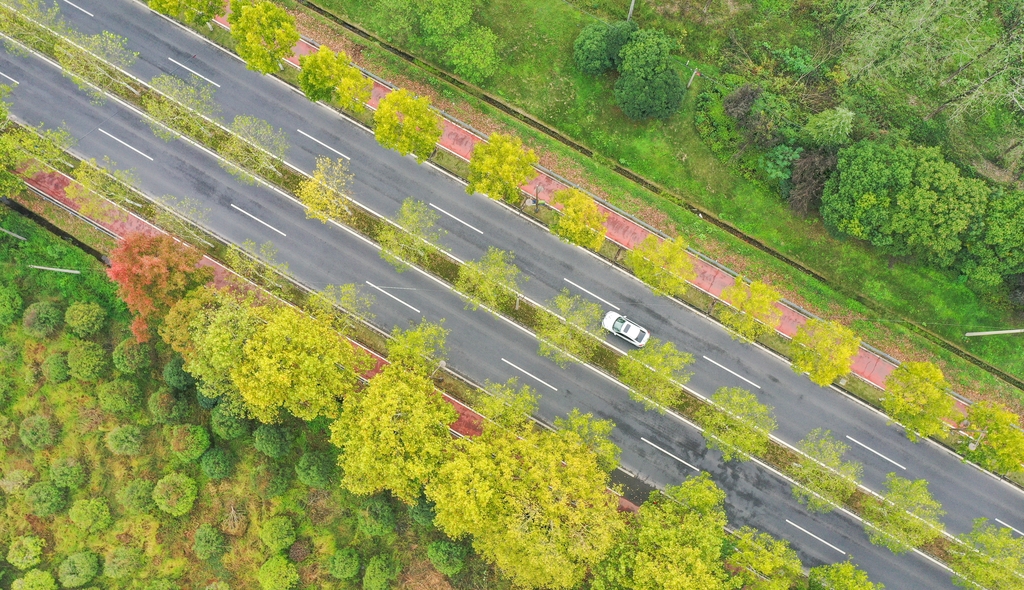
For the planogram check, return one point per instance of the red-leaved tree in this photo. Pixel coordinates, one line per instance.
(153, 273)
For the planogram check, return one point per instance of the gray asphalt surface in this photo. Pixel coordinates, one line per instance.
(320, 255)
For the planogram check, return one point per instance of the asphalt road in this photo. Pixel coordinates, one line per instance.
(321, 255)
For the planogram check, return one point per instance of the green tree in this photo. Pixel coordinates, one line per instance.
(994, 246)
(831, 481)
(326, 194)
(84, 318)
(26, 552)
(412, 238)
(217, 463)
(42, 319)
(11, 303)
(915, 395)
(273, 441)
(120, 397)
(78, 569)
(619, 34)
(590, 49)
(92, 516)
(753, 313)
(581, 221)
(264, 34)
(447, 557)
(988, 556)
(35, 580)
(905, 518)
(737, 424)
(830, 128)
(253, 148)
(376, 517)
(499, 166)
(768, 563)
(393, 434)
(37, 432)
(655, 374)
(595, 434)
(379, 573)
(442, 20)
(45, 499)
(188, 442)
(492, 281)
(535, 504)
(278, 533)
(317, 469)
(664, 265)
(277, 573)
(343, 564)
(825, 350)
(841, 576)
(648, 87)
(175, 494)
(474, 57)
(407, 124)
(67, 473)
(125, 440)
(130, 356)
(418, 350)
(208, 542)
(567, 329)
(136, 497)
(122, 562)
(998, 441)
(192, 12)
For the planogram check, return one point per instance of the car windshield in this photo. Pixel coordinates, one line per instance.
(617, 326)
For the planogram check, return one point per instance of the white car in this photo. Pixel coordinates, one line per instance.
(622, 327)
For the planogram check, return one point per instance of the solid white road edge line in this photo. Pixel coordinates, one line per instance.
(393, 297)
(529, 374)
(125, 144)
(323, 144)
(876, 452)
(244, 212)
(670, 454)
(733, 372)
(456, 219)
(815, 536)
(601, 299)
(181, 65)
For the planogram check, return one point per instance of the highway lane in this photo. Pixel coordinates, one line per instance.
(480, 345)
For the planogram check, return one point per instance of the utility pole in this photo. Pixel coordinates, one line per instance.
(994, 332)
(630, 15)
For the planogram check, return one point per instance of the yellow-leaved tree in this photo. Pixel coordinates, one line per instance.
(406, 124)
(581, 221)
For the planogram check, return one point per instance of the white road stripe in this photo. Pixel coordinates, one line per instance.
(125, 145)
(323, 144)
(73, 5)
(456, 219)
(876, 452)
(1009, 527)
(243, 211)
(525, 372)
(602, 300)
(392, 296)
(733, 372)
(669, 454)
(9, 78)
(815, 536)
(181, 65)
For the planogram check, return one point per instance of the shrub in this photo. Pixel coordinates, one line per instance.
(10, 305)
(122, 562)
(590, 50)
(35, 580)
(448, 558)
(130, 357)
(87, 360)
(67, 472)
(55, 368)
(422, 513)
(92, 516)
(273, 441)
(136, 496)
(188, 441)
(619, 34)
(270, 479)
(84, 319)
(277, 533)
(278, 574)
(379, 573)
(42, 319)
(37, 432)
(208, 542)
(119, 397)
(175, 494)
(125, 440)
(78, 569)
(6, 387)
(316, 469)
(166, 407)
(473, 56)
(343, 564)
(206, 403)
(226, 425)
(217, 463)
(376, 517)
(175, 375)
(45, 499)
(25, 552)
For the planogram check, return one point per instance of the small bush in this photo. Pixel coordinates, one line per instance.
(92, 516)
(448, 558)
(277, 533)
(379, 573)
(316, 469)
(42, 319)
(188, 441)
(10, 305)
(217, 463)
(78, 569)
(35, 580)
(166, 407)
(125, 440)
(55, 368)
(37, 432)
(278, 574)
(343, 564)
(175, 494)
(87, 361)
(122, 562)
(226, 425)
(84, 319)
(273, 441)
(136, 496)
(175, 375)
(25, 552)
(67, 472)
(270, 479)
(45, 499)
(376, 517)
(119, 397)
(131, 357)
(208, 542)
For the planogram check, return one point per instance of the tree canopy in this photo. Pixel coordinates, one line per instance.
(829, 480)
(264, 35)
(664, 265)
(648, 85)
(915, 395)
(492, 281)
(326, 193)
(406, 124)
(569, 335)
(418, 349)
(655, 374)
(768, 563)
(499, 166)
(738, 424)
(753, 313)
(906, 517)
(824, 350)
(989, 556)
(192, 12)
(999, 443)
(581, 221)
